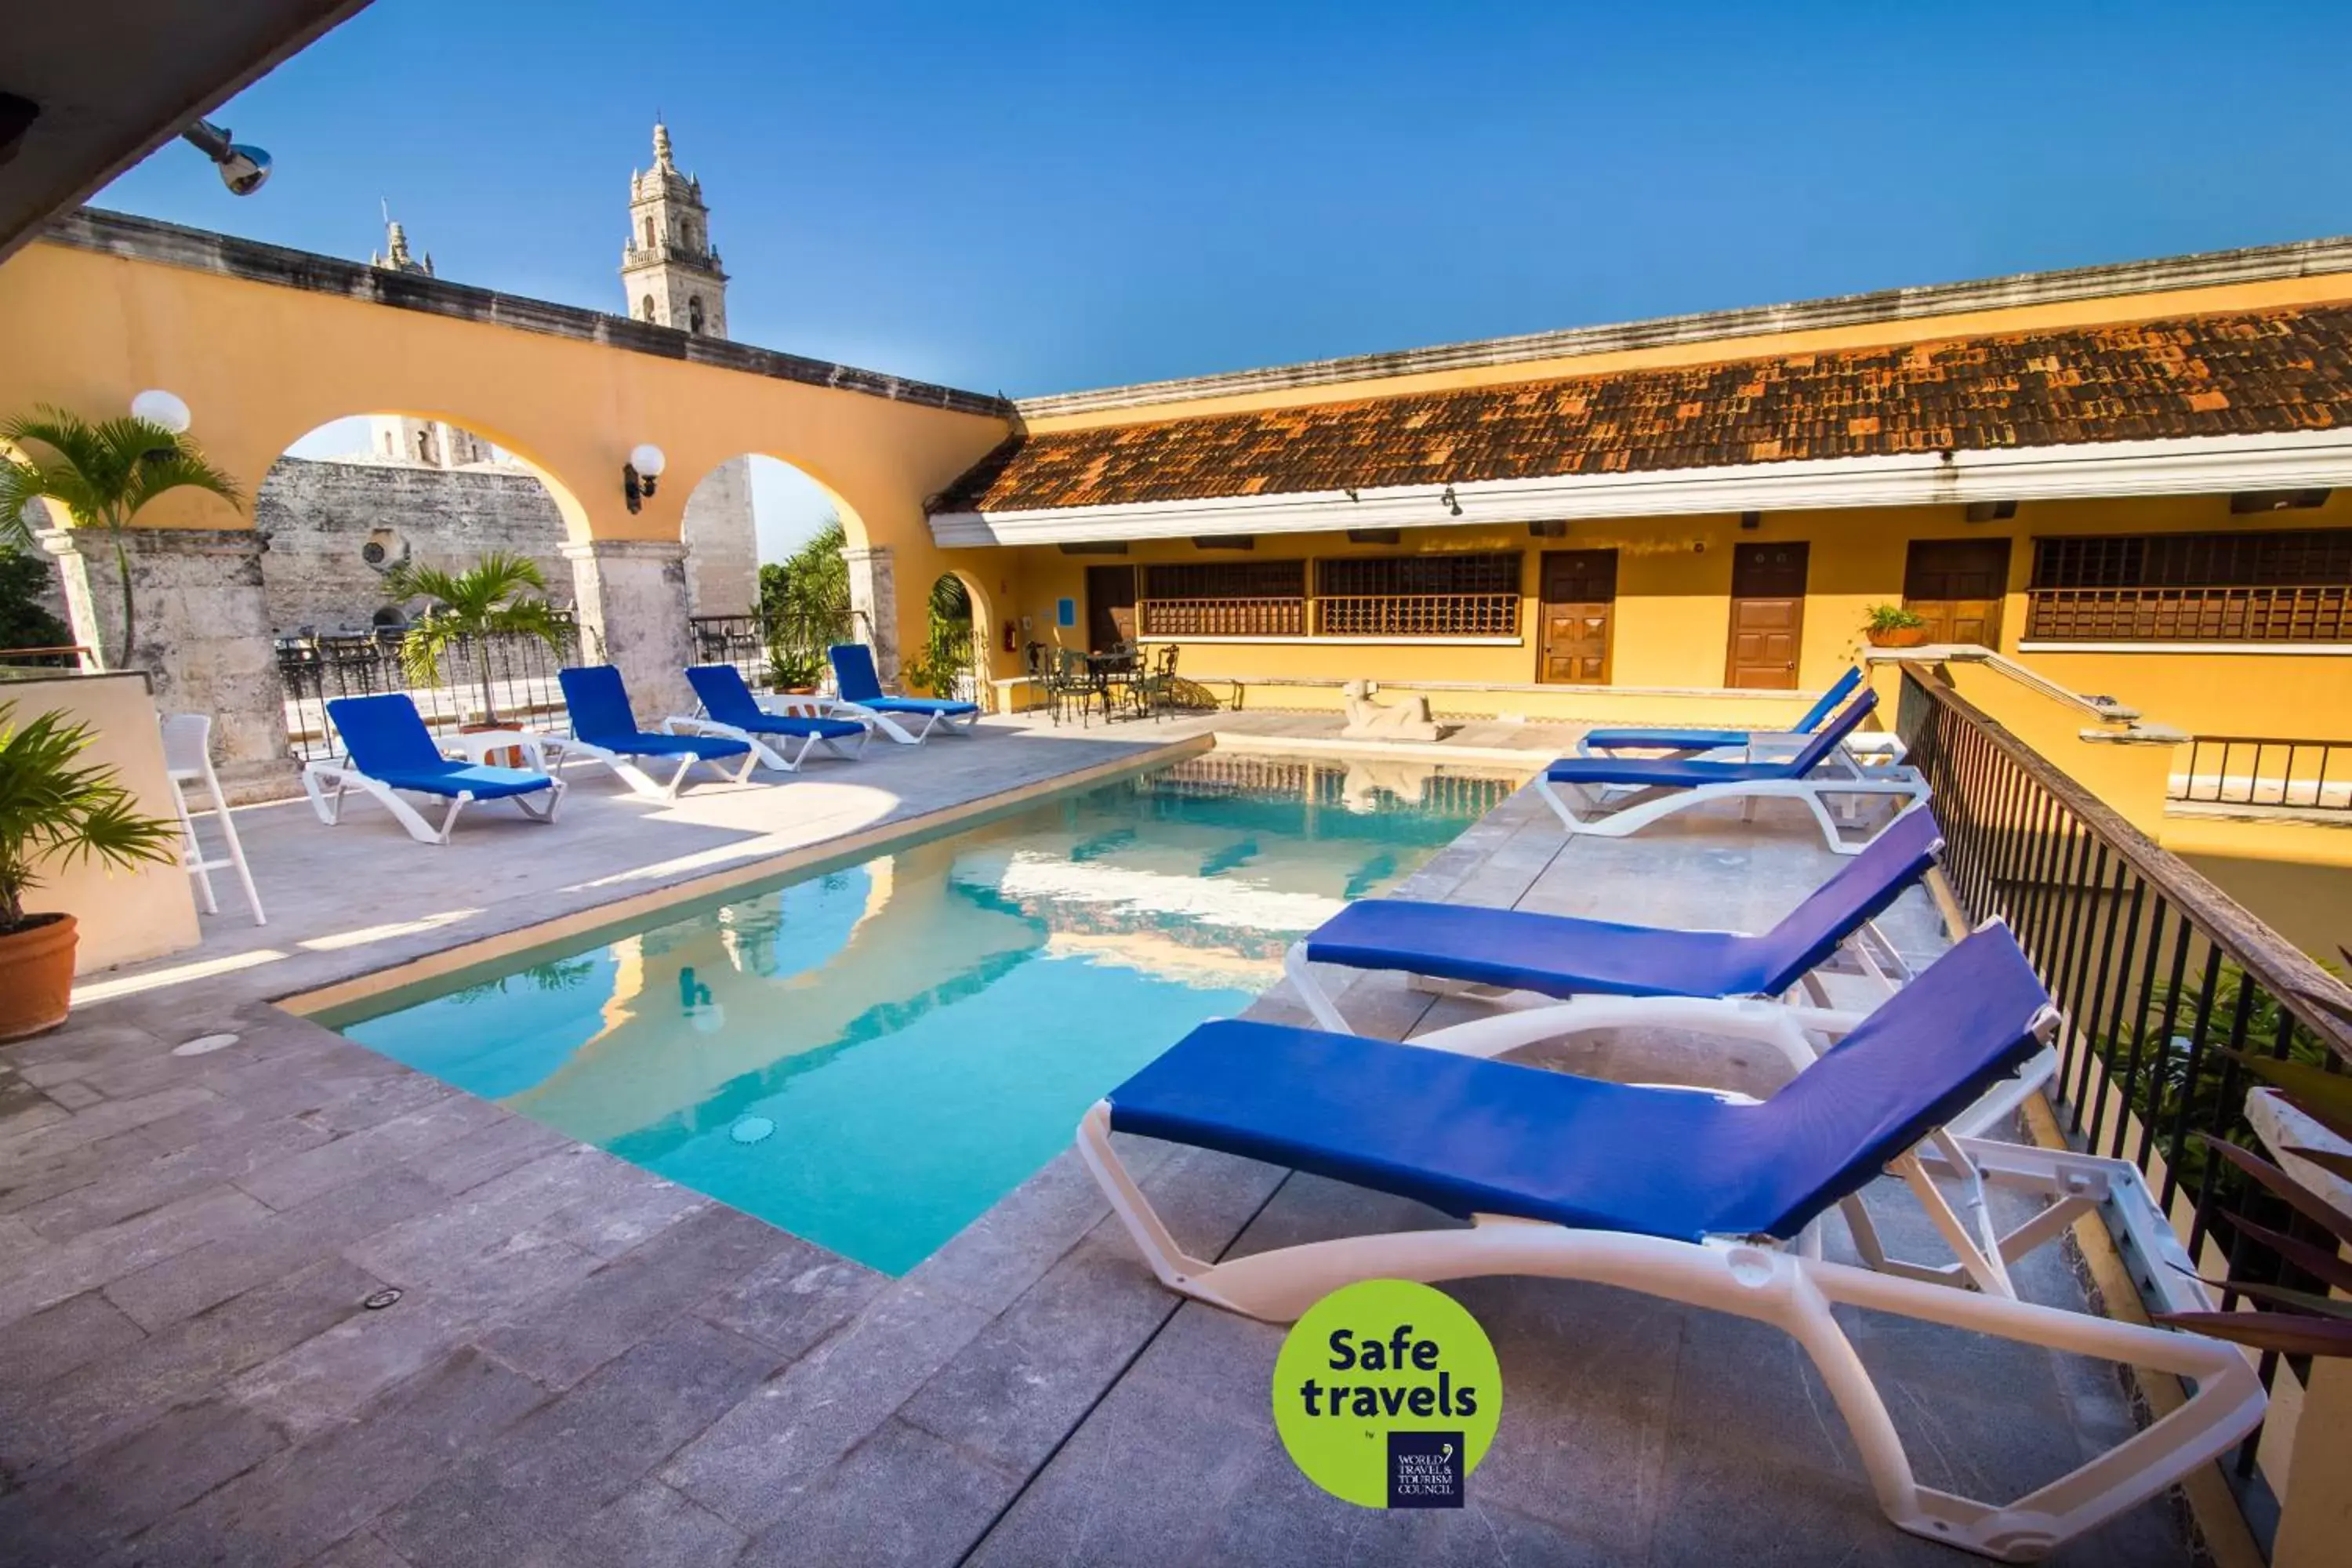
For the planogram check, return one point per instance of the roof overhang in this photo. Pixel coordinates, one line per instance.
(112, 81)
(2201, 465)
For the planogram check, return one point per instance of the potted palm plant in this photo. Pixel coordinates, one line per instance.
(54, 811)
(104, 474)
(1892, 625)
(501, 595)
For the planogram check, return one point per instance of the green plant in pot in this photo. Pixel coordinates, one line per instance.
(1892, 625)
(54, 810)
(498, 595)
(794, 669)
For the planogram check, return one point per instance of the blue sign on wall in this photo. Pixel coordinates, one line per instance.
(1065, 611)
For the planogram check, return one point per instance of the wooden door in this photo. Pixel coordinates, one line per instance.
(1578, 594)
(1110, 607)
(1768, 616)
(1958, 584)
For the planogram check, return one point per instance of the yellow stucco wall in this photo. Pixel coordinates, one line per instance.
(261, 364)
(123, 916)
(1672, 620)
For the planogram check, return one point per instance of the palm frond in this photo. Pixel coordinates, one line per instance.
(185, 470)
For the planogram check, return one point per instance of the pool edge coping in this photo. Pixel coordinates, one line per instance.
(336, 994)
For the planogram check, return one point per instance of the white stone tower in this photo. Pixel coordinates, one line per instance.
(671, 277)
(669, 267)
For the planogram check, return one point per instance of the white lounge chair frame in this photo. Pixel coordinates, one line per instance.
(1868, 945)
(946, 723)
(1871, 747)
(1837, 775)
(1794, 1288)
(644, 783)
(768, 747)
(327, 782)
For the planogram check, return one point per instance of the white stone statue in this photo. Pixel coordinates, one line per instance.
(1407, 719)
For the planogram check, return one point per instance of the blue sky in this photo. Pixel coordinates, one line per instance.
(1042, 197)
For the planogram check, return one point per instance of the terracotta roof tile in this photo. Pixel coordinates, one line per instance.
(2205, 376)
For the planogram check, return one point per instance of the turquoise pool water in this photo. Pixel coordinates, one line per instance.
(871, 1056)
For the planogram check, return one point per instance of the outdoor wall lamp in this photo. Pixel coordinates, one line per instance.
(160, 408)
(1451, 504)
(638, 475)
(243, 169)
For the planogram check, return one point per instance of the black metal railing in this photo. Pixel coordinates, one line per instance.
(57, 657)
(2247, 770)
(739, 640)
(511, 675)
(2160, 976)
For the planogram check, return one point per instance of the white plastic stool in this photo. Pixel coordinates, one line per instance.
(188, 759)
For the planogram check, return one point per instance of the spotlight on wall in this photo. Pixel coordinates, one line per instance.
(160, 408)
(243, 169)
(1451, 504)
(638, 475)
(1989, 510)
(1752, 521)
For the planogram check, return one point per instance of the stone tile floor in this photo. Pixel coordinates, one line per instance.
(586, 1365)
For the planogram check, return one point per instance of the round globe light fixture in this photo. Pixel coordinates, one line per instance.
(160, 408)
(638, 474)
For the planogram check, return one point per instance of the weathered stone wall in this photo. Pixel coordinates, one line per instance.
(203, 640)
(722, 553)
(319, 517)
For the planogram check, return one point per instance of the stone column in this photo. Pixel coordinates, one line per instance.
(205, 643)
(874, 605)
(633, 611)
(723, 547)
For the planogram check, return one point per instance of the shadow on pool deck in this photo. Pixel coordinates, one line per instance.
(587, 1364)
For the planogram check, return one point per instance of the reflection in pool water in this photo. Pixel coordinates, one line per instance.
(871, 1056)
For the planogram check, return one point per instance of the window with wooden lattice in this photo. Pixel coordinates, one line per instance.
(1224, 598)
(2283, 586)
(1418, 595)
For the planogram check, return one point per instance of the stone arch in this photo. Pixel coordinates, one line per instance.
(516, 450)
(984, 625)
(341, 520)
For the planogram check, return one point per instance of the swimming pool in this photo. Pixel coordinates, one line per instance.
(871, 1056)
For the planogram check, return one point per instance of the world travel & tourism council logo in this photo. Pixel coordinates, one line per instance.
(1387, 1394)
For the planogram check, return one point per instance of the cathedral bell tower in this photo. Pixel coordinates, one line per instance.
(670, 274)
(669, 267)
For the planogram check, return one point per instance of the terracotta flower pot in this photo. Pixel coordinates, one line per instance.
(1898, 637)
(36, 965)
(502, 757)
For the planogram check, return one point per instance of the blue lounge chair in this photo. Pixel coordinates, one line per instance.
(1690, 742)
(1821, 768)
(389, 752)
(1694, 1198)
(730, 710)
(1607, 975)
(605, 730)
(862, 697)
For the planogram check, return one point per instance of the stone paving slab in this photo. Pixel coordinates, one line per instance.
(587, 1364)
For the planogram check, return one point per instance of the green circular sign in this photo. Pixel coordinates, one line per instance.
(1386, 1394)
